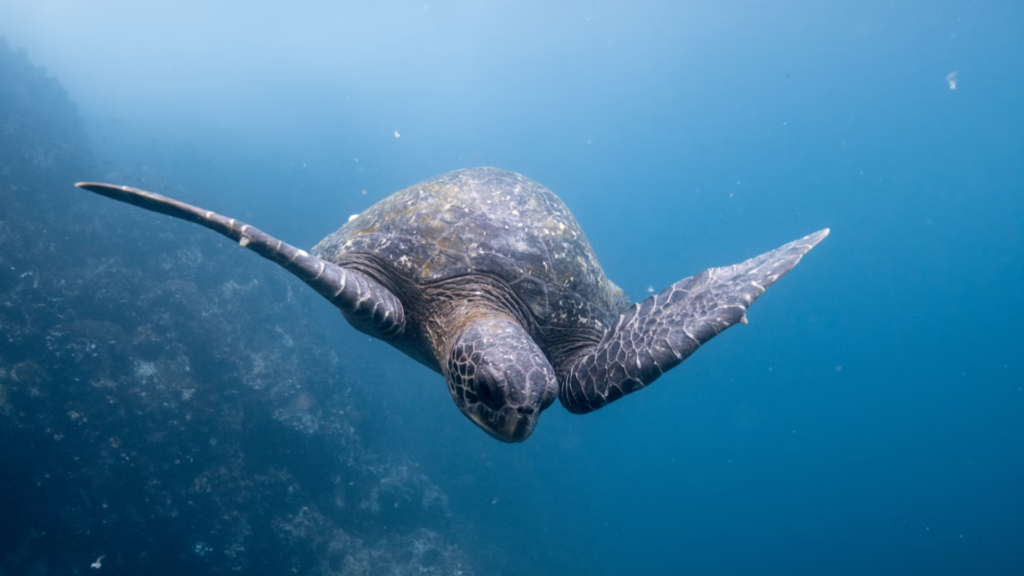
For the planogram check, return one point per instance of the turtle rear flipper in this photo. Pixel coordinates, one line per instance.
(367, 305)
(663, 330)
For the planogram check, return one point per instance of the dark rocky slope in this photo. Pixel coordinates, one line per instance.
(157, 410)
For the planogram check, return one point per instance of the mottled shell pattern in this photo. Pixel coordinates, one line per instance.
(486, 220)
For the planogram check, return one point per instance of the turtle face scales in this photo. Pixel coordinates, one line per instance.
(500, 379)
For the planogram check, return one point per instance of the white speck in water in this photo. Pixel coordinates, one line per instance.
(98, 563)
(650, 289)
(951, 80)
(354, 216)
(397, 135)
(144, 370)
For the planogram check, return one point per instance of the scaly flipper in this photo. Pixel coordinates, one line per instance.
(657, 334)
(368, 306)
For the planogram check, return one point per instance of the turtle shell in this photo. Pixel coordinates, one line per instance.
(486, 220)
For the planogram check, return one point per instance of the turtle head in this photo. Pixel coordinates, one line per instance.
(499, 378)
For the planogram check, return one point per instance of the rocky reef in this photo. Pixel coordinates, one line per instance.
(166, 406)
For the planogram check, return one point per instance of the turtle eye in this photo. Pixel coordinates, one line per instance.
(487, 388)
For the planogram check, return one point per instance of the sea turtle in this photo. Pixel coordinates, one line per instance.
(485, 276)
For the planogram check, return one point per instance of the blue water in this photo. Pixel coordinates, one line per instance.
(868, 420)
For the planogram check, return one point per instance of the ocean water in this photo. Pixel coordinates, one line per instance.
(868, 420)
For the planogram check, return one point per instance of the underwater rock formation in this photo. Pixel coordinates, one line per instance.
(164, 405)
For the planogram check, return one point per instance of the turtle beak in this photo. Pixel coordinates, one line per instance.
(511, 427)
(519, 428)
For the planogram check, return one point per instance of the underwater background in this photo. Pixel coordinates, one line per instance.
(171, 403)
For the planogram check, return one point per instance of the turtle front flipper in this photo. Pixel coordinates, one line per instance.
(368, 306)
(657, 334)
